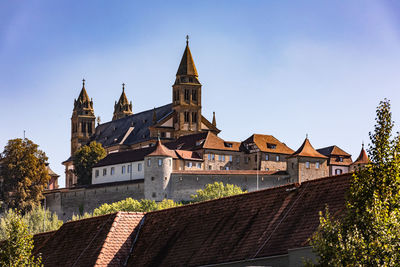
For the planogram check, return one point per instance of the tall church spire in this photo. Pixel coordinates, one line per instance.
(187, 67)
(82, 120)
(122, 108)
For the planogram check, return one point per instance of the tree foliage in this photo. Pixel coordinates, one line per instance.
(16, 249)
(130, 204)
(37, 220)
(84, 160)
(25, 174)
(216, 190)
(367, 233)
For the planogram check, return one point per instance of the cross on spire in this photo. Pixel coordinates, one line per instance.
(187, 39)
(123, 86)
(83, 81)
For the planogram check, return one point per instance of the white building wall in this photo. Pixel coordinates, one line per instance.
(135, 173)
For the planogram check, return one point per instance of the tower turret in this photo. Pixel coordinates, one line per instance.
(122, 108)
(82, 120)
(186, 96)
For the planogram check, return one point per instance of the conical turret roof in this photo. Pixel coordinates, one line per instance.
(123, 100)
(162, 150)
(83, 96)
(307, 150)
(362, 158)
(187, 67)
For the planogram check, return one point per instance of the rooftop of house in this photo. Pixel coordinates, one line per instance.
(266, 143)
(253, 225)
(362, 158)
(336, 155)
(307, 150)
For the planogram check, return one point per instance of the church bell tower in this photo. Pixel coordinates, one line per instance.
(82, 120)
(186, 96)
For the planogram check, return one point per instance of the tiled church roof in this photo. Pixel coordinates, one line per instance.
(117, 131)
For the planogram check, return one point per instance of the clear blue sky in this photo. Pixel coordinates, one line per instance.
(284, 68)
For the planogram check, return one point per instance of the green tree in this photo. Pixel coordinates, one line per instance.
(367, 232)
(216, 190)
(129, 204)
(25, 174)
(16, 249)
(36, 220)
(84, 160)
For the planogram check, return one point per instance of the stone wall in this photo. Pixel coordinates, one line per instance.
(66, 202)
(182, 186)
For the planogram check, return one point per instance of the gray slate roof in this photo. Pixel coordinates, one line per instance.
(113, 132)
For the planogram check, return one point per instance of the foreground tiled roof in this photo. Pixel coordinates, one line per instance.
(307, 150)
(103, 240)
(268, 143)
(258, 224)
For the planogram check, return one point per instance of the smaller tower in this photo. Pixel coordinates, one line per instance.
(361, 161)
(122, 108)
(82, 120)
(307, 164)
(157, 172)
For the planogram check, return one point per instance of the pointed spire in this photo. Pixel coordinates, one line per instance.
(122, 108)
(363, 157)
(83, 100)
(187, 67)
(214, 121)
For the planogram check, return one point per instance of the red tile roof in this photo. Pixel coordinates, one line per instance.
(99, 240)
(307, 150)
(362, 158)
(333, 151)
(263, 141)
(253, 225)
(188, 155)
(161, 150)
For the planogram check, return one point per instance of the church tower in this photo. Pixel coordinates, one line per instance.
(82, 120)
(186, 96)
(123, 108)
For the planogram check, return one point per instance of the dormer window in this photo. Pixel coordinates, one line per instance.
(340, 159)
(226, 144)
(271, 146)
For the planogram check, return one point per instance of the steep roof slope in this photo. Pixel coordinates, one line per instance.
(103, 239)
(258, 224)
(307, 150)
(333, 151)
(268, 143)
(362, 158)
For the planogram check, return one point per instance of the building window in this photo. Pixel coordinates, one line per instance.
(112, 170)
(292, 165)
(130, 168)
(163, 134)
(267, 157)
(104, 172)
(246, 160)
(227, 168)
(271, 146)
(96, 173)
(267, 169)
(338, 171)
(277, 158)
(187, 95)
(194, 116)
(170, 162)
(209, 156)
(317, 165)
(230, 158)
(189, 164)
(139, 167)
(307, 164)
(186, 116)
(194, 95)
(153, 195)
(123, 169)
(238, 159)
(148, 162)
(159, 162)
(209, 167)
(198, 165)
(340, 159)
(255, 158)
